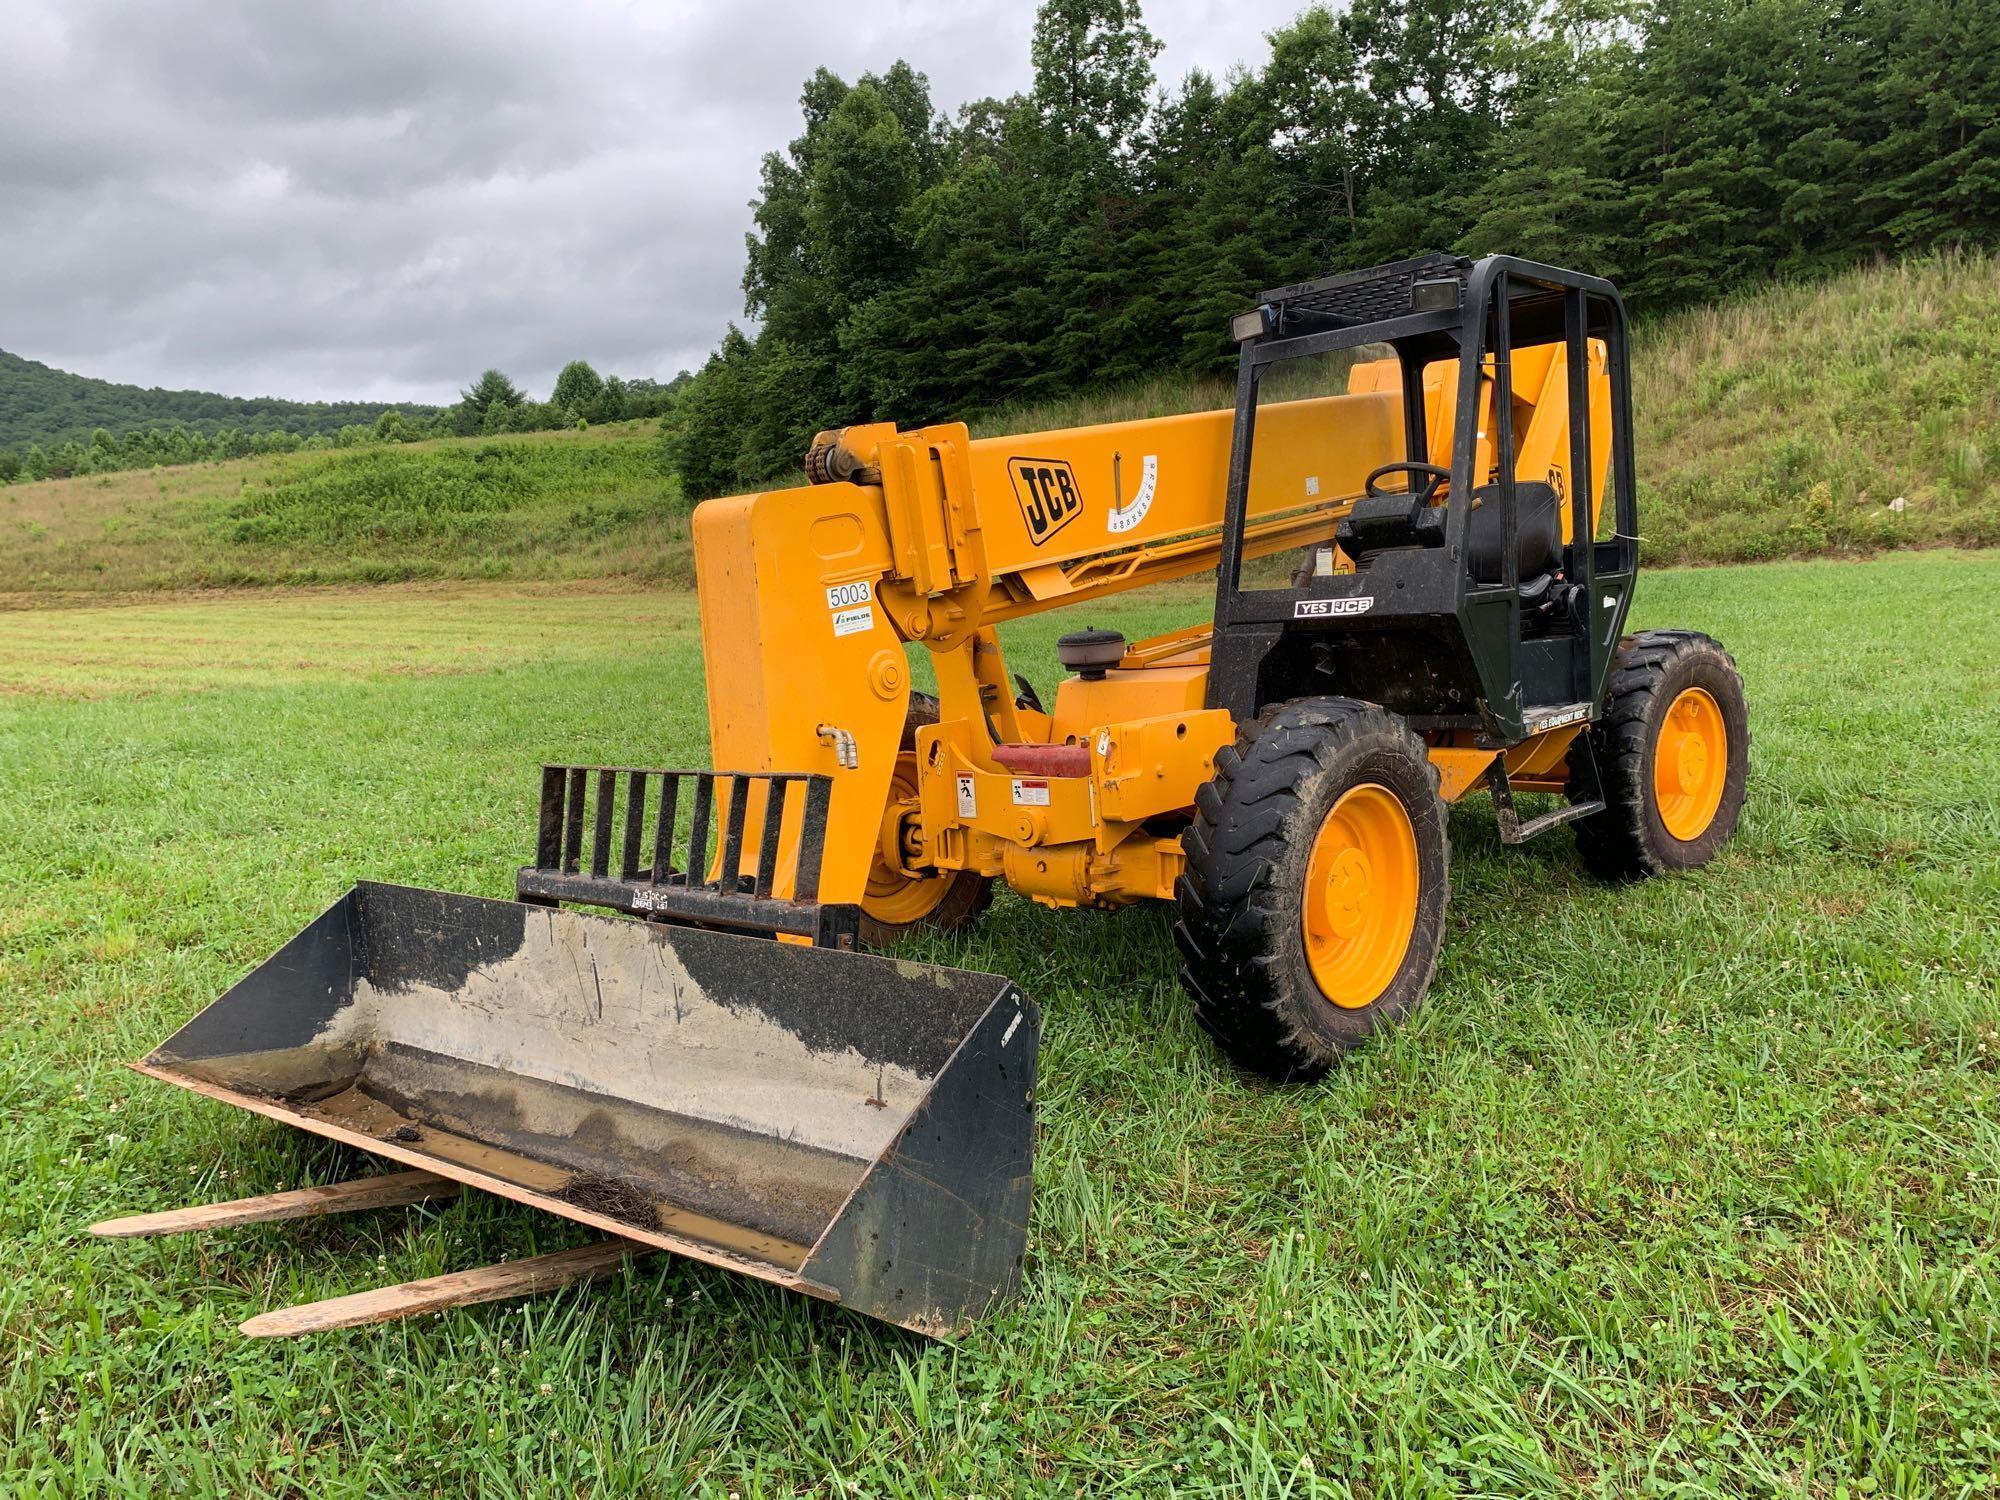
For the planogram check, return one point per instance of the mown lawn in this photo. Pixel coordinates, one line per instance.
(1690, 1188)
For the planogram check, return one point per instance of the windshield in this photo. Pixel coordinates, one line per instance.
(1323, 422)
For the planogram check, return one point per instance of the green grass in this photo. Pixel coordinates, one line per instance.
(548, 505)
(1790, 421)
(1690, 1188)
(1782, 423)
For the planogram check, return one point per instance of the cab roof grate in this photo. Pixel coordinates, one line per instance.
(1357, 297)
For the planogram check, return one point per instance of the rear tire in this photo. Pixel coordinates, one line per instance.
(1674, 708)
(1318, 873)
(896, 905)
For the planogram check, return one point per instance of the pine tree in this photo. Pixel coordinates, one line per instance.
(1237, 203)
(1325, 120)
(701, 433)
(1093, 71)
(1080, 234)
(969, 326)
(1931, 158)
(477, 401)
(1546, 189)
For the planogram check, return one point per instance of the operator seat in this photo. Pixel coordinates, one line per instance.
(1537, 534)
(1383, 524)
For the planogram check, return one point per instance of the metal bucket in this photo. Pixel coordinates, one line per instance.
(852, 1127)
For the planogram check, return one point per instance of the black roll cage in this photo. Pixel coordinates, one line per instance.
(1503, 302)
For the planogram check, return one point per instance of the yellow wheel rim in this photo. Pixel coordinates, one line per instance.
(1690, 764)
(894, 896)
(1361, 896)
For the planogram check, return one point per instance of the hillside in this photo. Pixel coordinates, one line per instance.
(1790, 421)
(1780, 423)
(47, 406)
(562, 504)
(1106, 224)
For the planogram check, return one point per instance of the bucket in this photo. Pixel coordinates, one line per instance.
(854, 1127)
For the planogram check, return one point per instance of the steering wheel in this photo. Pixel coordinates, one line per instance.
(1433, 477)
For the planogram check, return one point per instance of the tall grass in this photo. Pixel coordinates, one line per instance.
(1160, 396)
(543, 505)
(478, 509)
(1784, 422)
(1794, 420)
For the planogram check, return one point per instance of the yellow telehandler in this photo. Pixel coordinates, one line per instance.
(1421, 520)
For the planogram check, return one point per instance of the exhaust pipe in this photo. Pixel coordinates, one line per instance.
(856, 1128)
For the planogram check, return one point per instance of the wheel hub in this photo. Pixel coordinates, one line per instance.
(1690, 764)
(900, 890)
(1360, 900)
(910, 839)
(1693, 763)
(1347, 892)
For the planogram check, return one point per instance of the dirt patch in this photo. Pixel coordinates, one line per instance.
(601, 1195)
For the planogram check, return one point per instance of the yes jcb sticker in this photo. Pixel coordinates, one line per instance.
(1048, 494)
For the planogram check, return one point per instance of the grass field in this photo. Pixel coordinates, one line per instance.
(544, 505)
(1786, 422)
(1686, 1189)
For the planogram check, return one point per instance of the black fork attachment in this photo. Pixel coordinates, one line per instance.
(722, 874)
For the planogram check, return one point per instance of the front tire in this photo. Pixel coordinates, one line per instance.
(1318, 873)
(897, 903)
(1672, 755)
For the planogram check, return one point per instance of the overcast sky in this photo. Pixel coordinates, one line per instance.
(377, 200)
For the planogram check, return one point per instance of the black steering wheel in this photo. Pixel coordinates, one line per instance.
(1431, 474)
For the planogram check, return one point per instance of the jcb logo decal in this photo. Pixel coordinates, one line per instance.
(1318, 609)
(1048, 494)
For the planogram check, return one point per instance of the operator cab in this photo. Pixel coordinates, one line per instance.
(1479, 580)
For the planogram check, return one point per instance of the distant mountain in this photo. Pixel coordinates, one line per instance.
(46, 406)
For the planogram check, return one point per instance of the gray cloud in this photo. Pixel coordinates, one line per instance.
(377, 200)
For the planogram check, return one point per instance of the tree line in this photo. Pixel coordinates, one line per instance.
(912, 266)
(491, 404)
(47, 406)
